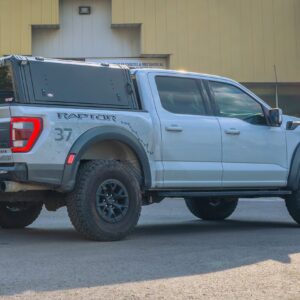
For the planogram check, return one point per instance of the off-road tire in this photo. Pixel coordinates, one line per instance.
(19, 215)
(293, 206)
(83, 208)
(211, 209)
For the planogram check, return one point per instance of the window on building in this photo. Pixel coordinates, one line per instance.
(232, 102)
(288, 95)
(6, 85)
(180, 95)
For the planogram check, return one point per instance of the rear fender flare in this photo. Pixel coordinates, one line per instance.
(99, 134)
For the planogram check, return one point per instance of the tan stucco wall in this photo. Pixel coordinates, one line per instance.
(242, 39)
(16, 19)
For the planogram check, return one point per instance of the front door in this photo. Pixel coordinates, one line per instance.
(190, 138)
(254, 154)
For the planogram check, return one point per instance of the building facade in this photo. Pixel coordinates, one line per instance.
(246, 40)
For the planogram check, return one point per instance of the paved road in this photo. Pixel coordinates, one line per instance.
(253, 255)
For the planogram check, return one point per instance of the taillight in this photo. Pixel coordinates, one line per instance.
(24, 133)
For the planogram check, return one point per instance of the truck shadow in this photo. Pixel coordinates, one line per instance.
(58, 258)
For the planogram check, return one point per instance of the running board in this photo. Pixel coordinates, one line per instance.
(240, 194)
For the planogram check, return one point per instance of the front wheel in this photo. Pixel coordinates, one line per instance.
(293, 206)
(19, 214)
(211, 209)
(106, 202)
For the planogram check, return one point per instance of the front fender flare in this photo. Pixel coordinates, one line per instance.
(294, 176)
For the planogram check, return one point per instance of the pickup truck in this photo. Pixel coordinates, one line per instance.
(104, 140)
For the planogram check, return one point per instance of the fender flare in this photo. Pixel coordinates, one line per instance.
(99, 134)
(294, 175)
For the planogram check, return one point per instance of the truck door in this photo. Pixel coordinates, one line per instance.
(190, 137)
(254, 154)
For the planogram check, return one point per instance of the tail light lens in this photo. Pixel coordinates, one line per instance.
(25, 131)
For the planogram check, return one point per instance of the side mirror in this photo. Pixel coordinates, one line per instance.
(275, 117)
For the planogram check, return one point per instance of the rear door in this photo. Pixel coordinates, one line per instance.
(254, 154)
(190, 137)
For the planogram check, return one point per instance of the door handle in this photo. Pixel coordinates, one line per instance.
(174, 128)
(232, 131)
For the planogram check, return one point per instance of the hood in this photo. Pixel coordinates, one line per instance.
(287, 118)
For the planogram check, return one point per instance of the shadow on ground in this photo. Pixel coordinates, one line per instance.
(168, 243)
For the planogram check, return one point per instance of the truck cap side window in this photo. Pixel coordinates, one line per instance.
(6, 85)
(232, 102)
(180, 95)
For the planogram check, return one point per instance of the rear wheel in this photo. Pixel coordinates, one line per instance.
(210, 208)
(19, 214)
(106, 202)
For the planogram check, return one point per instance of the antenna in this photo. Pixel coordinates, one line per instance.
(276, 78)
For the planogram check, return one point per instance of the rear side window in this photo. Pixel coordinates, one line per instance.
(180, 95)
(6, 85)
(71, 84)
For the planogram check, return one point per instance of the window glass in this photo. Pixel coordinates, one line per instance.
(266, 92)
(6, 85)
(234, 103)
(180, 95)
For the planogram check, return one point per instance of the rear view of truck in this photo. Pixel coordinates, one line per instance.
(70, 135)
(17, 134)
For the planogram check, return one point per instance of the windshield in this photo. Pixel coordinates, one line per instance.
(6, 85)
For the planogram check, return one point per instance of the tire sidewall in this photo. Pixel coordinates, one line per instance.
(293, 206)
(201, 208)
(134, 206)
(21, 218)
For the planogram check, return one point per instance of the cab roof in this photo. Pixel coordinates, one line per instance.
(185, 73)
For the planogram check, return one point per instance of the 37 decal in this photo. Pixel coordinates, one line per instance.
(63, 134)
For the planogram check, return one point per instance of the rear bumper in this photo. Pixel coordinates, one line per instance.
(14, 172)
(49, 175)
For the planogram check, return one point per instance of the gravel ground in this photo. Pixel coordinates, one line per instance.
(171, 255)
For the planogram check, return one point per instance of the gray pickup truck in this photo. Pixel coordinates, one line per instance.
(104, 140)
